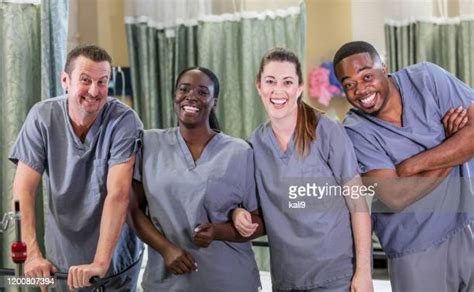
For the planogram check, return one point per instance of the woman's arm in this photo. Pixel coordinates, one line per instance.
(207, 232)
(362, 233)
(177, 260)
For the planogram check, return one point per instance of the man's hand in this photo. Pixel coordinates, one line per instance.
(178, 261)
(243, 222)
(204, 235)
(454, 120)
(79, 276)
(39, 267)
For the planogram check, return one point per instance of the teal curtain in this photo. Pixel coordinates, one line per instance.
(54, 24)
(233, 49)
(31, 53)
(230, 48)
(449, 44)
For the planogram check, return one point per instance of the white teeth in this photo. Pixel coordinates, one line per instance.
(278, 100)
(90, 99)
(190, 109)
(368, 100)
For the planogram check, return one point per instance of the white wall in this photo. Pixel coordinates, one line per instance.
(368, 17)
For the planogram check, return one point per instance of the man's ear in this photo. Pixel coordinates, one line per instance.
(65, 80)
(384, 69)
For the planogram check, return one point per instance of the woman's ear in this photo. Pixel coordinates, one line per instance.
(384, 69)
(257, 85)
(215, 103)
(300, 90)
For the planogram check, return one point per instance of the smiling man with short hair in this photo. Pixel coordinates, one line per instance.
(413, 133)
(84, 143)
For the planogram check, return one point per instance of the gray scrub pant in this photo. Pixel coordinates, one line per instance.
(125, 281)
(340, 285)
(448, 267)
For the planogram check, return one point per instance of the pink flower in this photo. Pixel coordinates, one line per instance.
(320, 87)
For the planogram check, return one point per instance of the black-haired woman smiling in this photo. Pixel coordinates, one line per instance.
(190, 178)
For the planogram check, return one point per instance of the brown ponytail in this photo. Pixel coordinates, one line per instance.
(305, 128)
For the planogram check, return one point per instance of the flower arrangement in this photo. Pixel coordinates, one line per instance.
(323, 84)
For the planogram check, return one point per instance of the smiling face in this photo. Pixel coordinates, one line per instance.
(194, 99)
(279, 88)
(87, 87)
(365, 82)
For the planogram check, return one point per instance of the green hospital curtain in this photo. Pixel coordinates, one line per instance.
(30, 54)
(231, 46)
(233, 49)
(449, 44)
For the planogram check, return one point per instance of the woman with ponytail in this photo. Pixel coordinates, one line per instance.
(187, 181)
(315, 216)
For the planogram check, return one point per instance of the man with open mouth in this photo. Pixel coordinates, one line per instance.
(413, 133)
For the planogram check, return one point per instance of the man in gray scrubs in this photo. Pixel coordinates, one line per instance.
(85, 144)
(413, 134)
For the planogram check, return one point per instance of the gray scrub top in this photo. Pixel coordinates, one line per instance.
(310, 245)
(182, 194)
(75, 177)
(427, 92)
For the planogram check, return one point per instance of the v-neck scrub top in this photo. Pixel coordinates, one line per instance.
(76, 177)
(310, 246)
(428, 92)
(183, 193)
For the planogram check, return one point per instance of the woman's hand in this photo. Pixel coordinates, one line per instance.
(243, 222)
(362, 282)
(178, 261)
(204, 234)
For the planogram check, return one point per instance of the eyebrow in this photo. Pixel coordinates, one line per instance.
(88, 76)
(358, 71)
(286, 77)
(189, 84)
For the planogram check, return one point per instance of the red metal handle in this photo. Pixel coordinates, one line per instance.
(18, 250)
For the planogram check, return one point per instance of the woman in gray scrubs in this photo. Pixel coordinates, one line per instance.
(187, 182)
(309, 190)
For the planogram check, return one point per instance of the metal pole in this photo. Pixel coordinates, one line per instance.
(19, 266)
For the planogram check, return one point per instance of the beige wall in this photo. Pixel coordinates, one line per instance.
(102, 22)
(112, 34)
(87, 18)
(329, 25)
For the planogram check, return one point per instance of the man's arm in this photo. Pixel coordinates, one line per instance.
(455, 150)
(398, 192)
(114, 212)
(24, 189)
